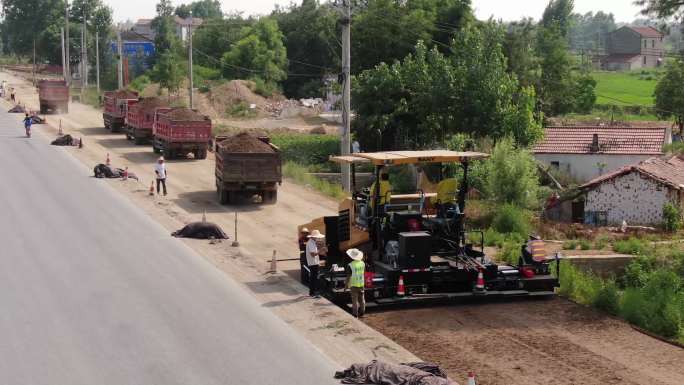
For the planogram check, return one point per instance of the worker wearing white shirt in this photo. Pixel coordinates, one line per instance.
(313, 261)
(160, 172)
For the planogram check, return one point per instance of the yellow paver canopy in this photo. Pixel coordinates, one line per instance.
(410, 157)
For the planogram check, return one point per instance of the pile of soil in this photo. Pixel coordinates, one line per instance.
(235, 92)
(125, 94)
(245, 143)
(185, 114)
(149, 104)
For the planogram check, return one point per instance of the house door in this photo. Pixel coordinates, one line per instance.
(578, 211)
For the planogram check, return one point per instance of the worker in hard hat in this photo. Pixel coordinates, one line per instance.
(534, 251)
(445, 199)
(356, 271)
(383, 193)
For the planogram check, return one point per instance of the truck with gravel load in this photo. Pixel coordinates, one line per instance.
(179, 131)
(417, 246)
(116, 105)
(53, 96)
(246, 166)
(140, 119)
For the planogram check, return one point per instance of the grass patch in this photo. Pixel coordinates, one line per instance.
(634, 246)
(630, 88)
(312, 150)
(240, 110)
(300, 174)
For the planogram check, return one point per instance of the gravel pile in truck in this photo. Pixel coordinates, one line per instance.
(246, 143)
(180, 131)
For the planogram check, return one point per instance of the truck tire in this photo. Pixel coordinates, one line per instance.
(128, 135)
(270, 197)
(156, 149)
(201, 154)
(222, 195)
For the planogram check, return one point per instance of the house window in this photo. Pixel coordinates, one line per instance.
(645, 43)
(555, 165)
(652, 43)
(644, 59)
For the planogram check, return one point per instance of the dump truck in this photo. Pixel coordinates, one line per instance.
(53, 96)
(246, 166)
(176, 132)
(140, 119)
(116, 105)
(418, 250)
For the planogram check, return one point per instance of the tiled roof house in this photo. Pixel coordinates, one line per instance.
(586, 152)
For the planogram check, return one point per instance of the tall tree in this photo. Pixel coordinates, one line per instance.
(216, 38)
(662, 9)
(205, 9)
(167, 72)
(558, 13)
(260, 53)
(165, 38)
(521, 52)
(669, 94)
(310, 37)
(26, 21)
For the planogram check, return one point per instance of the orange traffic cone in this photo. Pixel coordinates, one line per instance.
(480, 284)
(151, 188)
(471, 378)
(108, 162)
(401, 291)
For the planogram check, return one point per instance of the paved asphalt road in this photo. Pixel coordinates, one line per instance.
(94, 292)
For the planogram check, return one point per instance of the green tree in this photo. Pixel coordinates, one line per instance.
(662, 9)
(310, 37)
(558, 14)
(556, 84)
(26, 21)
(521, 52)
(165, 38)
(669, 94)
(205, 9)
(167, 72)
(512, 174)
(260, 53)
(216, 38)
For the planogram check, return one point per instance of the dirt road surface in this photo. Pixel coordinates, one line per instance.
(524, 342)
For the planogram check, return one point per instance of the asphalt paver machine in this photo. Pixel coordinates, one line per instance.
(413, 251)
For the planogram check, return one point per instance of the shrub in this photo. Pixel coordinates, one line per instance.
(672, 217)
(307, 149)
(301, 175)
(637, 272)
(570, 245)
(657, 306)
(263, 88)
(240, 110)
(139, 83)
(585, 244)
(509, 252)
(601, 242)
(632, 245)
(608, 297)
(201, 74)
(510, 219)
(512, 175)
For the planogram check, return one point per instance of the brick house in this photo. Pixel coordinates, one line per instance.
(635, 193)
(630, 48)
(586, 152)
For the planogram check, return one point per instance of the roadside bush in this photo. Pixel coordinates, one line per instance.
(570, 245)
(202, 74)
(510, 219)
(608, 297)
(307, 149)
(263, 88)
(672, 217)
(509, 252)
(632, 246)
(240, 110)
(657, 306)
(139, 83)
(584, 244)
(301, 174)
(638, 271)
(512, 175)
(601, 242)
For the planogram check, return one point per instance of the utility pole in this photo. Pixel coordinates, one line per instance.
(34, 61)
(67, 60)
(97, 60)
(119, 51)
(85, 47)
(64, 70)
(346, 94)
(190, 59)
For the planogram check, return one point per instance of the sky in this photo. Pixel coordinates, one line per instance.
(506, 10)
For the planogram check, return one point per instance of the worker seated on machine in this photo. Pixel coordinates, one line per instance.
(445, 200)
(384, 194)
(534, 253)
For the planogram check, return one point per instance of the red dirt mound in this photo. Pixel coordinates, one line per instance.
(185, 114)
(147, 104)
(245, 143)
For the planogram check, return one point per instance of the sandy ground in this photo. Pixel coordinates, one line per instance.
(524, 342)
(261, 229)
(533, 342)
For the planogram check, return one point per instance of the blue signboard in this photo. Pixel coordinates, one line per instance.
(137, 53)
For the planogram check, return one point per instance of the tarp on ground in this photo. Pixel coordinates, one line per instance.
(382, 373)
(201, 230)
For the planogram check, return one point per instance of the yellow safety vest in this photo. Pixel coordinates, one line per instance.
(385, 188)
(446, 191)
(537, 250)
(357, 273)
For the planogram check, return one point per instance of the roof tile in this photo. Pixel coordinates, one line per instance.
(611, 140)
(669, 172)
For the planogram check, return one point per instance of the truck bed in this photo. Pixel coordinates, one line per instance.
(248, 167)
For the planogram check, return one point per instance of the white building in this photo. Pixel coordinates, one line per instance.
(586, 152)
(635, 193)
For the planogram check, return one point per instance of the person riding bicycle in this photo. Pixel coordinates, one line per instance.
(27, 124)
